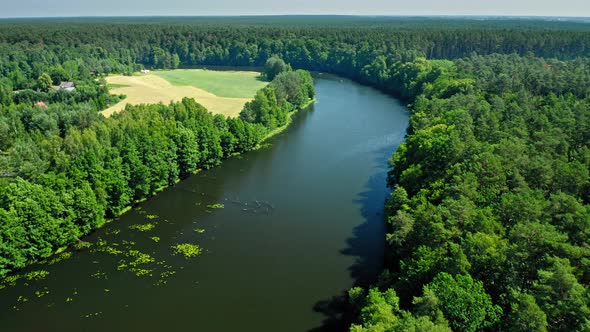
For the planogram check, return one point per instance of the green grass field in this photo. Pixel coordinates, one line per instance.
(228, 84)
(222, 92)
(117, 86)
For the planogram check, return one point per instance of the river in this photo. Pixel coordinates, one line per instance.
(302, 222)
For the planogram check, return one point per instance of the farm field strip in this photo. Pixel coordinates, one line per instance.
(220, 92)
(227, 84)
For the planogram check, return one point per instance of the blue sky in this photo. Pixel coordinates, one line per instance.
(46, 8)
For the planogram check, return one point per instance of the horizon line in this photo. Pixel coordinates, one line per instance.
(308, 15)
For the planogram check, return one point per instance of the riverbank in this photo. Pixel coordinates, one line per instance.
(290, 115)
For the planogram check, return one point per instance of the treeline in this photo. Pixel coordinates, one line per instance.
(289, 90)
(489, 218)
(65, 170)
(70, 50)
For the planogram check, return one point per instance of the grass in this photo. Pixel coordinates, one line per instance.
(117, 86)
(221, 92)
(228, 84)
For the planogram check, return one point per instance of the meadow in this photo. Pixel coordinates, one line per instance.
(221, 92)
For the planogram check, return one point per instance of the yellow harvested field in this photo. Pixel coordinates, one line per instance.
(152, 89)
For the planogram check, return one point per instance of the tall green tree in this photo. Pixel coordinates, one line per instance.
(44, 82)
(463, 302)
(274, 66)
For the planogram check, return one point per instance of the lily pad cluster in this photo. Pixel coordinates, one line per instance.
(143, 227)
(188, 250)
(140, 263)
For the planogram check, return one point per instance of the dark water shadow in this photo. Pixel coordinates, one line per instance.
(366, 244)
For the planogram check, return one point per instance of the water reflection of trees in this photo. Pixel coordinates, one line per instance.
(366, 244)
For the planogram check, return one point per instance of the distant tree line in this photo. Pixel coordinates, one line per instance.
(76, 50)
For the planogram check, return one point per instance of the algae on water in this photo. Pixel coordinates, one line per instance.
(188, 250)
(36, 275)
(143, 227)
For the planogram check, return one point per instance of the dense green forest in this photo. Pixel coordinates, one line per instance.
(489, 216)
(74, 48)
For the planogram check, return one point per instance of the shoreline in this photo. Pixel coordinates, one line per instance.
(282, 128)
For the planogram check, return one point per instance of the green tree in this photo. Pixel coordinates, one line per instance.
(13, 247)
(188, 152)
(463, 302)
(525, 315)
(175, 61)
(59, 74)
(565, 301)
(274, 66)
(44, 82)
(380, 312)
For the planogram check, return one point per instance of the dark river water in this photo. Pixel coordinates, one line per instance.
(302, 222)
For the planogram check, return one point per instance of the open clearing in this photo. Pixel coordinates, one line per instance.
(229, 84)
(220, 92)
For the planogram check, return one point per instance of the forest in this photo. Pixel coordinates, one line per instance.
(489, 217)
(488, 221)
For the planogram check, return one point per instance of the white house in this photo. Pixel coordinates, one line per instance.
(68, 86)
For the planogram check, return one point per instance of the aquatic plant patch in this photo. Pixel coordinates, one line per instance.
(188, 250)
(143, 227)
(36, 275)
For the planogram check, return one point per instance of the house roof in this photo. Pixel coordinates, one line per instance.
(65, 85)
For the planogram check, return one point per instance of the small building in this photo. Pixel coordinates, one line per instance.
(68, 86)
(41, 104)
(145, 71)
